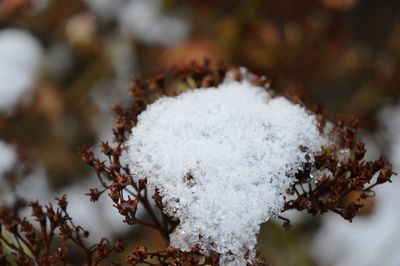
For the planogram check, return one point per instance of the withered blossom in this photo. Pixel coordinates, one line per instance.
(320, 186)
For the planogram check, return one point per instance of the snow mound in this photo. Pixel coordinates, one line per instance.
(222, 159)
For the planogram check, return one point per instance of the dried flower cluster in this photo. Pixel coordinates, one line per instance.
(338, 171)
(321, 186)
(206, 150)
(44, 240)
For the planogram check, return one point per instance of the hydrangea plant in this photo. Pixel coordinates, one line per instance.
(210, 154)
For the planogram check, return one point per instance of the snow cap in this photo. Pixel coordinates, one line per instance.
(222, 159)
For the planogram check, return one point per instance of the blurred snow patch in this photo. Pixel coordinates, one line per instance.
(19, 49)
(20, 56)
(59, 60)
(390, 120)
(35, 187)
(40, 5)
(369, 240)
(222, 159)
(110, 91)
(145, 21)
(105, 8)
(100, 218)
(8, 158)
(123, 59)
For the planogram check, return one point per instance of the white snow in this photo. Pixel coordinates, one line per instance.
(20, 55)
(222, 158)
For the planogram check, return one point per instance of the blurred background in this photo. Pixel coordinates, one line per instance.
(63, 63)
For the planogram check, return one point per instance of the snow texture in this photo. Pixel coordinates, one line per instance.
(222, 159)
(20, 55)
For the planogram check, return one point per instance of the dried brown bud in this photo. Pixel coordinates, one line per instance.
(65, 231)
(105, 148)
(87, 155)
(359, 151)
(137, 256)
(23, 259)
(385, 174)
(119, 246)
(142, 184)
(99, 166)
(62, 202)
(94, 194)
(114, 195)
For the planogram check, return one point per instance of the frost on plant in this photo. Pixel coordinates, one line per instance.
(222, 158)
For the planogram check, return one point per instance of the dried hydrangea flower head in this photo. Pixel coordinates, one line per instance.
(218, 160)
(222, 158)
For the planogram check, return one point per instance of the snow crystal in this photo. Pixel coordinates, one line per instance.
(222, 159)
(316, 175)
(20, 54)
